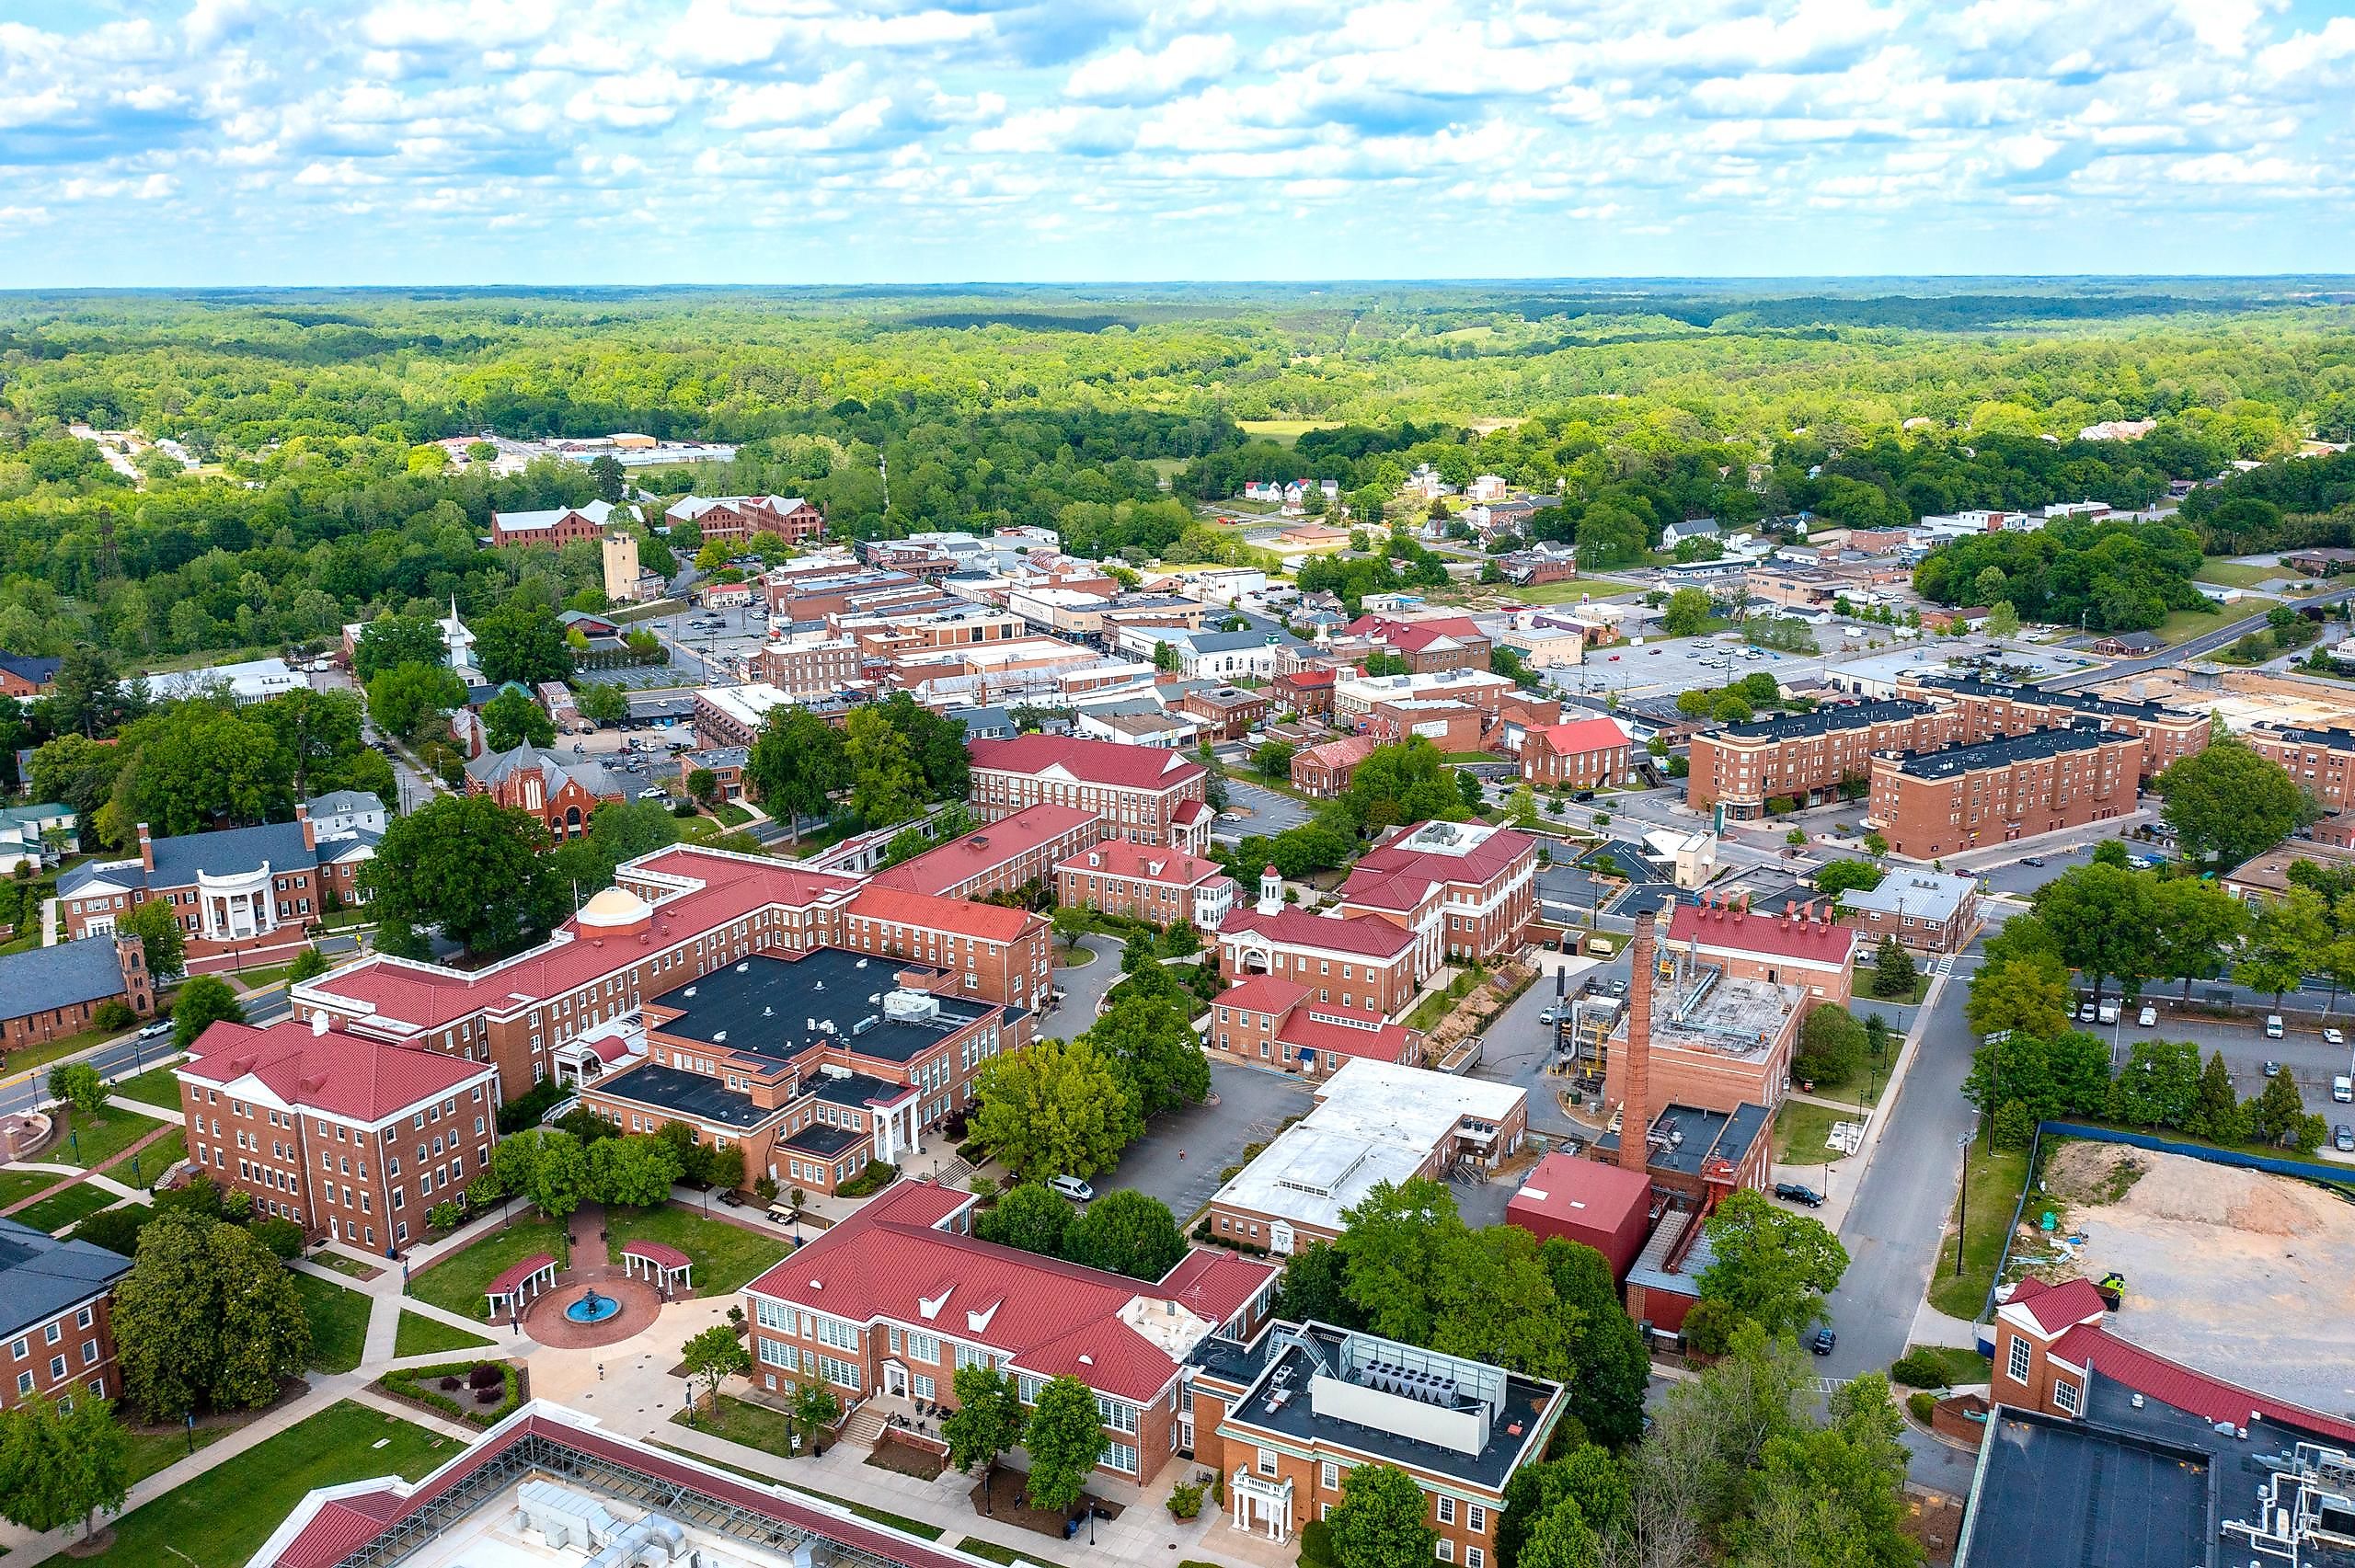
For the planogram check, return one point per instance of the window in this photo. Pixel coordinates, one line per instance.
(1474, 1557)
(1447, 1510)
(52, 1333)
(57, 1368)
(1122, 1457)
(24, 1382)
(842, 1372)
(1445, 1550)
(1267, 1461)
(2065, 1397)
(2015, 1367)
(20, 1350)
(1329, 1476)
(1476, 1519)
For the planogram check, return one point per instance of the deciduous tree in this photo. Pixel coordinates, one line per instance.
(714, 1355)
(1150, 1042)
(202, 1002)
(1381, 1520)
(987, 1420)
(522, 641)
(408, 699)
(470, 867)
(2226, 803)
(1065, 1438)
(511, 718)
(207, 1319)
(1058, 1108)
(1772, 1266)
(1029, 1215)
(1126, 1232)
(58, 1465)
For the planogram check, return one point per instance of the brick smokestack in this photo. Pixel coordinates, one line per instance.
(1634, 1109)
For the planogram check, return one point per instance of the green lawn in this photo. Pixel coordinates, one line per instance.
(91, 1141)
(455, 1284)
(1800, 1128)
(1568, 590)
(259, 979)
(26, 1056)
(732, 815)
(421, 1335)
(154, 1159)
(326, 1258)
(727, 1256)
(151, 1451)
(156, 1087)
(741, 1420)
(879, 1516)
(1865, 995)
(1992, 1185)
(18, 1185)
(1961, 1367)
(1005, 1554)
(1284, 432)
(221, 1517)
(2184, 624)
(338, 1322)
(2233, 574)
(57, 1212)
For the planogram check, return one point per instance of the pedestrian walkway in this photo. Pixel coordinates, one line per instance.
(74, 1174)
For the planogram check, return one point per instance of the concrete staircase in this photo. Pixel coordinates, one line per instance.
(867, 1423)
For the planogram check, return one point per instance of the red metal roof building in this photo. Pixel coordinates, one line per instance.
(1587, 753)
(1801, 945)
(1369, 965)
(1464, 889)
(1278, 1023)
(1441, 642)
(1000, 857)
(1138, 790)
(342, 1134)
(1163, 885)
(890, 1301)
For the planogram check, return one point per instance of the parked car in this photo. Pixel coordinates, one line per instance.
(1547, 1017)
(652, 792)
(2148, 1018)
(2031, 859)
(2272, 1068)
(2342, 1138)
(156, 1030)
(2342, 1089)
(2108, 1014)
(1798, 1192)
(1821, 1341)
(2333, 1037)
(2085, 1012)
(1073, 1188)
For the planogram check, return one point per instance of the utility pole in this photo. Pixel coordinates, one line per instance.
(883, 467)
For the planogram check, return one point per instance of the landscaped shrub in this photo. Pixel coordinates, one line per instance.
(874, 1179)
(500, 1389)
(1921, 1404)
(1185, 1501)
(1918, 1370)
(486, 1375)
(1316, 1544)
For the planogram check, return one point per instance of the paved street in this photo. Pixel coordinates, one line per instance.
(1084, 985)
(1516, 1046)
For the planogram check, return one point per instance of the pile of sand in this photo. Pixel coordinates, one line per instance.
(2177, 1187)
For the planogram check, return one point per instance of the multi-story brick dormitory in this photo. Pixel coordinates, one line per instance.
(1928, 804)
(814, 1065)
(1145, 794)
(1163, 885)
(243, 896)
(56, 1317)
(1001, 857)
(2321, 760)
(733, 518)
(343, 1135)
(1466, 892)
(1806, 756)
(1365, 964)
(1284, 1417)
(1987, 711)
(890, 1303)
(1443, 642)
(675, 915)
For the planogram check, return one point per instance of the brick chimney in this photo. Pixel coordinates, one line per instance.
(146, 848)
(310, 833)
(1634, 1107)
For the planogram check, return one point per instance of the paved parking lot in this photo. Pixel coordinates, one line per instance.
(2247, 1051)
(1267, 813)
(1181, 1155)
(1668, 668)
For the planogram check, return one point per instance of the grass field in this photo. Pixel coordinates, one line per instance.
(741, 1420)
(1961, 1367)
(55, 1213)
(421, 1335)
(1284, 432)
(1005, 1554)
(1800, 1128)
(25, 1058)
(1570, 591)
(338, 1322)
(455, 1284)
(2233, 574)
(1992, 1185)
(151, 1451)
(91, 1141)
(221, 1519)
(2182, 625)
(155, 1160)
(156, 1087)
(727, 1256)
(18, 1185)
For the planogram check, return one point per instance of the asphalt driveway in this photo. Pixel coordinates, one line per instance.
(1181, 1155)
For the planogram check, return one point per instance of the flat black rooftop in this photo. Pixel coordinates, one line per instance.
(1687, 1137)
(822, 1141)
(684, 1093)
(2076, 702)
(2061, 1492)
(779, 1008)
(1524, 1404)
(2334, 739)
(1826, 720)
(1947, 762)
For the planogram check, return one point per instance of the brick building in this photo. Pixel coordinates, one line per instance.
(1452, 727)
(556, 527)
(2321, 760)
(1325, 771)
(1802, 946)
(1443, 642)
(735, 715)
(1354, 696)
(1163, 885)
(1001, 953)
(562, 793)
(889, 1303)
(1370, 963)
(724, 763)
(343, 1135)
(1278, 1023)
(1587, 753)
(1227, 711)
(48, 994)
(1928, 804)
(1307, 691)
(27, 675)
(56, 1317)
(811, 661)
(1928, 911)
(1283, 1420)
(1466, 892)
(731, 518)
(1987, 711)
(814, 1065)
(1805, 757)
(1716, 1024)
(1145, 794)
(1023, 847)
(243, 896)
(1603, 1207)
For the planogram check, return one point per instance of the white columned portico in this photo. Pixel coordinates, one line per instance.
(1262, 1504)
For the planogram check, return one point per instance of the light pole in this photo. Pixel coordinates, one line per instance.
(1962, 1218)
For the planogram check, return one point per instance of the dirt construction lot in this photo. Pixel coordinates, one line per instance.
(2242, 1275)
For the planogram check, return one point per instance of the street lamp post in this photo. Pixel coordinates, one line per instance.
(1962, 1218)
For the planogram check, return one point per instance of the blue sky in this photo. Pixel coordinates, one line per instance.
(232, 142)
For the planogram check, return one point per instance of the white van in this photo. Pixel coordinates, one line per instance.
(1071, 1187)
(2273, 1026)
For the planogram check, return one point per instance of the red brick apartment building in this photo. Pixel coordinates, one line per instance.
(810, 662)
(1444, 642)
(1285, 1419)
(674, 916)
(1278, 1023)
(345, 1136)
(1162, 886)
(1226, 712)
(888, 1305)
(556, 527)
(1325, 771)
(1936, 802)
(1465, 890)
(1805, 757)
(1587, 753)
(733, 518)
(1000, 953)
(26, 675)
(1988, 711)
(56, 1317)
(1307, 691)
(814, 1066)
(243, 896)
(1000, 858)
(1368, 962)
(2322, 761)
(1146, 795)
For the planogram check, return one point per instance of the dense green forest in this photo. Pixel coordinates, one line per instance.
(1636, 404)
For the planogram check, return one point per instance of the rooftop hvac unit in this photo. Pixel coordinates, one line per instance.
(910, 1007)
